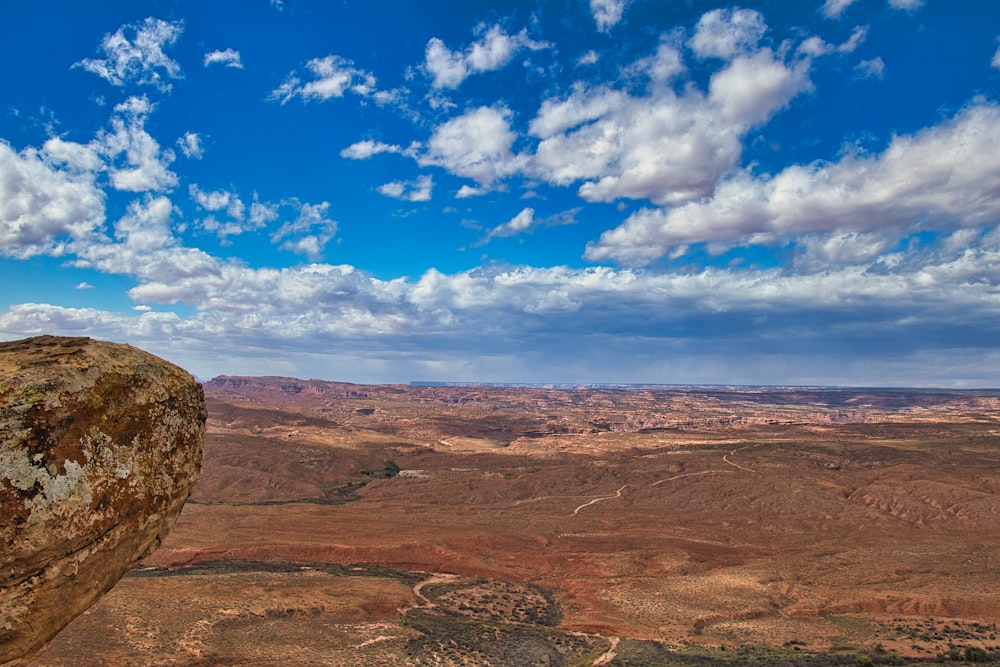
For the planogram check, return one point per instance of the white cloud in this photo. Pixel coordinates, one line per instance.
(521, 222)
(84, 285)
(539, 319)
(871, 69)
(145, 227)
(367, 148)
(908, 5)
(137, 164)
(77, 157)
(725, 33)
(589, 58)
(415, 191)
(943, 177)
(821, 252)
(448, 69)
(41, 206)
(664, 146)
(996, 59)
(475, 145)
(218, 200)
(262, 213)
(525, 221)
(329, 77)
(752, 87)
(228, 57)
(146, 249)
(607, 13)
(191, 146)
(584, 105)
(856, 38)
(467, 191)
(834, 8)
(134, 54)
(814, 47)
(309, 233)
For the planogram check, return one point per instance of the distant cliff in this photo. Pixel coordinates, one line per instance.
(100, 446)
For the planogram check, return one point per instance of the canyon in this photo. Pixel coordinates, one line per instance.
(343, 524)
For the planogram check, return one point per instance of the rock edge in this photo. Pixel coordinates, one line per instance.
(100, 446)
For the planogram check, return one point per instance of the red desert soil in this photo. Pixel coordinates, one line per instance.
(340, 524)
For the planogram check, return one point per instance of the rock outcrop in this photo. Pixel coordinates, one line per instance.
(100, 446)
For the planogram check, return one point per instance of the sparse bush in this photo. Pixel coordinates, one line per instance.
(976, 654)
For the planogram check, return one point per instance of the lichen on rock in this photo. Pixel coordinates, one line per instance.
(100, 446)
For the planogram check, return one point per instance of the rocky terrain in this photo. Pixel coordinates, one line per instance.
(340, 524)
(100, 446)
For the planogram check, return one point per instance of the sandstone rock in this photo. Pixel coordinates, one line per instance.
(100, 445)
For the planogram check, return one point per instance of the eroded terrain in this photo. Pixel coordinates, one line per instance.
(341, 524)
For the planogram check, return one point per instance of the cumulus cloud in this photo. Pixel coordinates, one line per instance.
(136, 162)
(448, 69)
(415, 190)
(940, 178)
(467, 191)
(237, 222)
(328, 77)
(43, 206)
(75, 157)
(218, 200)
(664, 146)
(309, 233)
(476, 145)
(228, 57)
(628, 317)
(607, 13)
(362, 150)
(134, 54)
(725, 33)
(145, 227)
(191, 146)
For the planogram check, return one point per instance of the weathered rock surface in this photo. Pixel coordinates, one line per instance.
(100, 446)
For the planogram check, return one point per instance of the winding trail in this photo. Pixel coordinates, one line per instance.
(610, 655)
(692, 474)
(618, 494)
(534, 500)
(737, 465)
(423, 602)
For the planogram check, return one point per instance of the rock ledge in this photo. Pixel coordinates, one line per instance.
(100, 446)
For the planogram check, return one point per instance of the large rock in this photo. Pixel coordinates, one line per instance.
(100, 445)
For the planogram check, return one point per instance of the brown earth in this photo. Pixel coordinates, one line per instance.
(340, 524)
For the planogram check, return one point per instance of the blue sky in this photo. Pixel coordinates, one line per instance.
(549, 191)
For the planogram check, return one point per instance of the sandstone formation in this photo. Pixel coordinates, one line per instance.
(100, 446)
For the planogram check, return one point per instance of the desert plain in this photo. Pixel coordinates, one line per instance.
(342, 524)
